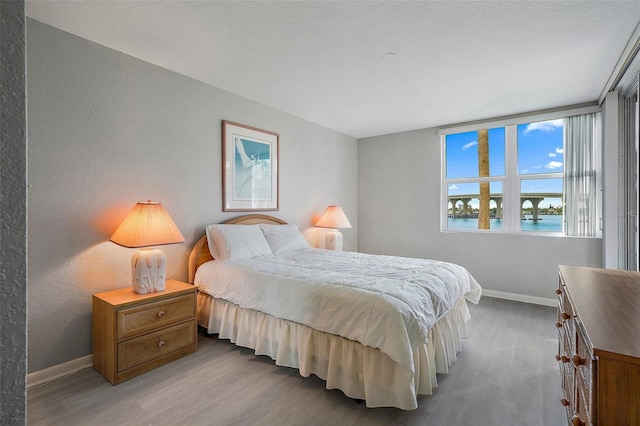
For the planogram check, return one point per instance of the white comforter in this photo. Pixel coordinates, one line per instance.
(385, 302)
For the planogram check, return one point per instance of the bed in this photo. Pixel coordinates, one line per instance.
(379, 328)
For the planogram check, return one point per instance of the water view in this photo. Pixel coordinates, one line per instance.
(548, 223)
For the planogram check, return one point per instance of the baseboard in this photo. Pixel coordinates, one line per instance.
(520, 297)
(47, 375)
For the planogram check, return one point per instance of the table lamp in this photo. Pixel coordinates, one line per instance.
(147, 225)
(333, 218)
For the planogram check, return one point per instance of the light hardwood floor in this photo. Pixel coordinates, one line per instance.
(505, 375)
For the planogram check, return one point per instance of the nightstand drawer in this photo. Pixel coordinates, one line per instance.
(154, 345)
(134, 321)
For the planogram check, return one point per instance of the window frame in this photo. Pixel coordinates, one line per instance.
(511, 181)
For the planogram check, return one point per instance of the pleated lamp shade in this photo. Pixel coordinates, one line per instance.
(333, 217)
(148, 224)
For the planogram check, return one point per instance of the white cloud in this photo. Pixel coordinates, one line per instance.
(553, 165)
(453, 187)
(559, 151)
(545, 126)
(469, 145)
(524, 171)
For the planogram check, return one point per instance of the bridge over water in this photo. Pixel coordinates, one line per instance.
(535, 198)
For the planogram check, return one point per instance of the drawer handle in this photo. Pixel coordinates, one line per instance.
(161, 344)
(564, 402)
(565, 359)
(558, 291)
(559, 324)
(577, 360)
(576, 421)
(565, 316)
(160, 314)
(557, 357)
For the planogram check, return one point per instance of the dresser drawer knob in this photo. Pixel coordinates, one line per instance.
(161, 344)
(565, 316)
(577, 360)
(559, 324)
(557, 357)
(558, 291)
(565, 359)
(564, 402)
(160, 314)
(576, 421)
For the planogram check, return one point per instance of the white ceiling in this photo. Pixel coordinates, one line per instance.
(325, 61)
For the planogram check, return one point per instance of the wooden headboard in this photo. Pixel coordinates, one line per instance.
(200, 251)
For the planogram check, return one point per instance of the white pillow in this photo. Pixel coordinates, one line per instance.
(284, 238)
(235, 242)
(211, 242)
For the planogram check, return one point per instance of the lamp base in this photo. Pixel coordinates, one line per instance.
(148, 271)
(333, 240)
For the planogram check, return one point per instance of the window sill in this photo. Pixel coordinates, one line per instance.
(524, 234)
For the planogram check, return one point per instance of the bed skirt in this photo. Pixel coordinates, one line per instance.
(360, 371)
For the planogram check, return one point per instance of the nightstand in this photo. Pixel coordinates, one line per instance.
(134, 333)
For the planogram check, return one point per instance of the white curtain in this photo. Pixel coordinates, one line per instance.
(581, 189)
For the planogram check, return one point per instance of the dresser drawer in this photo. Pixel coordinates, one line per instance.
(560, 292)
(583, 402)
(567, 373)
(154, 345)
(583, 361)
(569, 323)
(136, 320)
(560, 320)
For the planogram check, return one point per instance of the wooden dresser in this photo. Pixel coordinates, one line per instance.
(134, 333)
(599, 345)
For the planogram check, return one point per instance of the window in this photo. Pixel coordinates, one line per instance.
(513, 179)
(540, 174)
(465, 152)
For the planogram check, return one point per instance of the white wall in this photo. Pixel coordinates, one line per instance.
(107, 130)
(399, 214)
(611, 241)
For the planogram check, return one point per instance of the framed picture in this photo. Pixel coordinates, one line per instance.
(249, 168)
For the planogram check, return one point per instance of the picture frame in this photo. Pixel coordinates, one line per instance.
(250, 177)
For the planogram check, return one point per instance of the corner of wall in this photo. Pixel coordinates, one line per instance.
(13, 214)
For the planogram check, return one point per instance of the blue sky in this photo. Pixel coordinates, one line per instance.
(540, 150)
(540, 147)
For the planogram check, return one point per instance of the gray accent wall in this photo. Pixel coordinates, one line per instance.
(13, 215)
(399, 186)
(107, 130)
